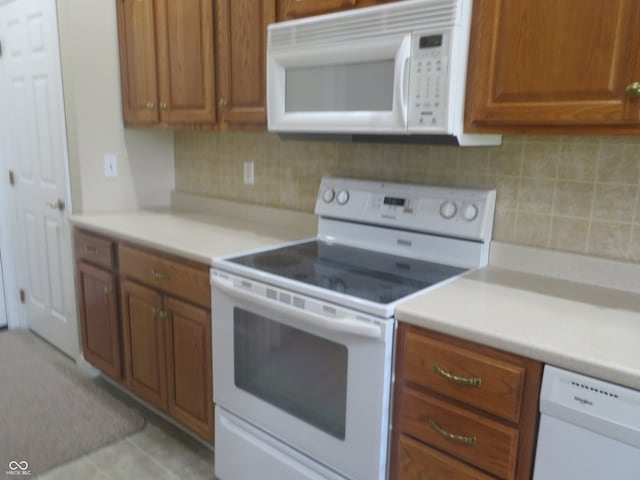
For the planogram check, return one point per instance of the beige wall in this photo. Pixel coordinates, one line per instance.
(90, 70)
(578, 194)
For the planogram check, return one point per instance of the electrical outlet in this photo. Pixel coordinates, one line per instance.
(110, 166)
(248, 173)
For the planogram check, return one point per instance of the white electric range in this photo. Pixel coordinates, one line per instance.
(303, 333)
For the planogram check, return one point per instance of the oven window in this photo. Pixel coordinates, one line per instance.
(350, 87)
(297, 372)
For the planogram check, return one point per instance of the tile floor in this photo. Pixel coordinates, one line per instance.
(158, 452)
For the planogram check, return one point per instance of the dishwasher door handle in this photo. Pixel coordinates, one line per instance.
(349, 325)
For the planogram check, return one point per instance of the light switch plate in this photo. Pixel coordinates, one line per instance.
(110, 166)
(248, 173)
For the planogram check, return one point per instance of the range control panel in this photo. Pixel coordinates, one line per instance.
(458, 212)
(429, 81)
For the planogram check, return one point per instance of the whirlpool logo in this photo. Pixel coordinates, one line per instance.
(18, 467)
(583, 401)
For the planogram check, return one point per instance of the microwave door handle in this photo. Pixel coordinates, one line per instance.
(349, 325)
(403, 59)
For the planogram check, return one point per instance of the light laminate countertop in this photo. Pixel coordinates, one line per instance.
(196, 236)
(587, 329)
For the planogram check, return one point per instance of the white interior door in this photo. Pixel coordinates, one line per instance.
(33, 87)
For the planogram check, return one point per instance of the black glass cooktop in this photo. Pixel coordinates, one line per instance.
(366, 274)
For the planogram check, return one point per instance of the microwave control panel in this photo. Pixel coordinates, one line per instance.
(428, 85)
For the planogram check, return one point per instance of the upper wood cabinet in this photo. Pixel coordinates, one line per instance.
(241, 57)
(167, 62)
(289, 9)
(137, 36)
(554, 66)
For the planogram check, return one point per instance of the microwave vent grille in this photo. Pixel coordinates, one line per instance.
(424, 16)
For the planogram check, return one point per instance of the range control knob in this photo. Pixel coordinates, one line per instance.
(448, 209)
(342, 197)
(328, 195)
(470, 212)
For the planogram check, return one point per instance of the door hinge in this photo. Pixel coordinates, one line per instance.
(12, 178)
(23, 296)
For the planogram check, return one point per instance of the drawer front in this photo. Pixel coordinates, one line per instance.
(169, 275)
(420, 462)
(487, 383)
(94, 249)
(489, 445)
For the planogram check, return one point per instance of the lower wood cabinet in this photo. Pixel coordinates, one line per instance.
(145, 345)
(167, 347)
(189, 365)
(100, 325)
(146, 322)
(462, 411)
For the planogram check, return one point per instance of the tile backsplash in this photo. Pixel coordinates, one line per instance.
(573, 193)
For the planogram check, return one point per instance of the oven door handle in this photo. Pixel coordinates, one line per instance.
(349, 325)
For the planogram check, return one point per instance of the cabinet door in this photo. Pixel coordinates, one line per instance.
(242, 54)
(144, 332)
(190, 379)
(554, 63)
(137, 37)
(99, 323)
(186, 62)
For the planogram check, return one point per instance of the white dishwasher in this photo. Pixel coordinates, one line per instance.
(589, 429)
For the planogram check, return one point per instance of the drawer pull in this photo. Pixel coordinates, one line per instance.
(467, 440)
(159, 312)
(91, 249)
(471, 381)
(160, 275)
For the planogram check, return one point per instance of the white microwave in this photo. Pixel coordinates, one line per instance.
(396, 70)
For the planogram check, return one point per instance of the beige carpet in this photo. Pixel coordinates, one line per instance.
(50, 411)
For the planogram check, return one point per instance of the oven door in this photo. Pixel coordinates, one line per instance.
(312, 375)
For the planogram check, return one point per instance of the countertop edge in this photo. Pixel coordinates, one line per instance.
(83, 224)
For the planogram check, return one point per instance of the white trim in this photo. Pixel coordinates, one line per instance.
(3, 308)
(15, 311)
(63, 115)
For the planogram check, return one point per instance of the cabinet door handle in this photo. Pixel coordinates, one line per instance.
(158, 275)
(91, 249)
(467, 440)
(107, 291)
(163, 106)
(150, 105)
(471, 381)
(633, 90)
(160, 312)
(222, 103)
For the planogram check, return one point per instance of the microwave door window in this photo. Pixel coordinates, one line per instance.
(353, 87)
(297, 372)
